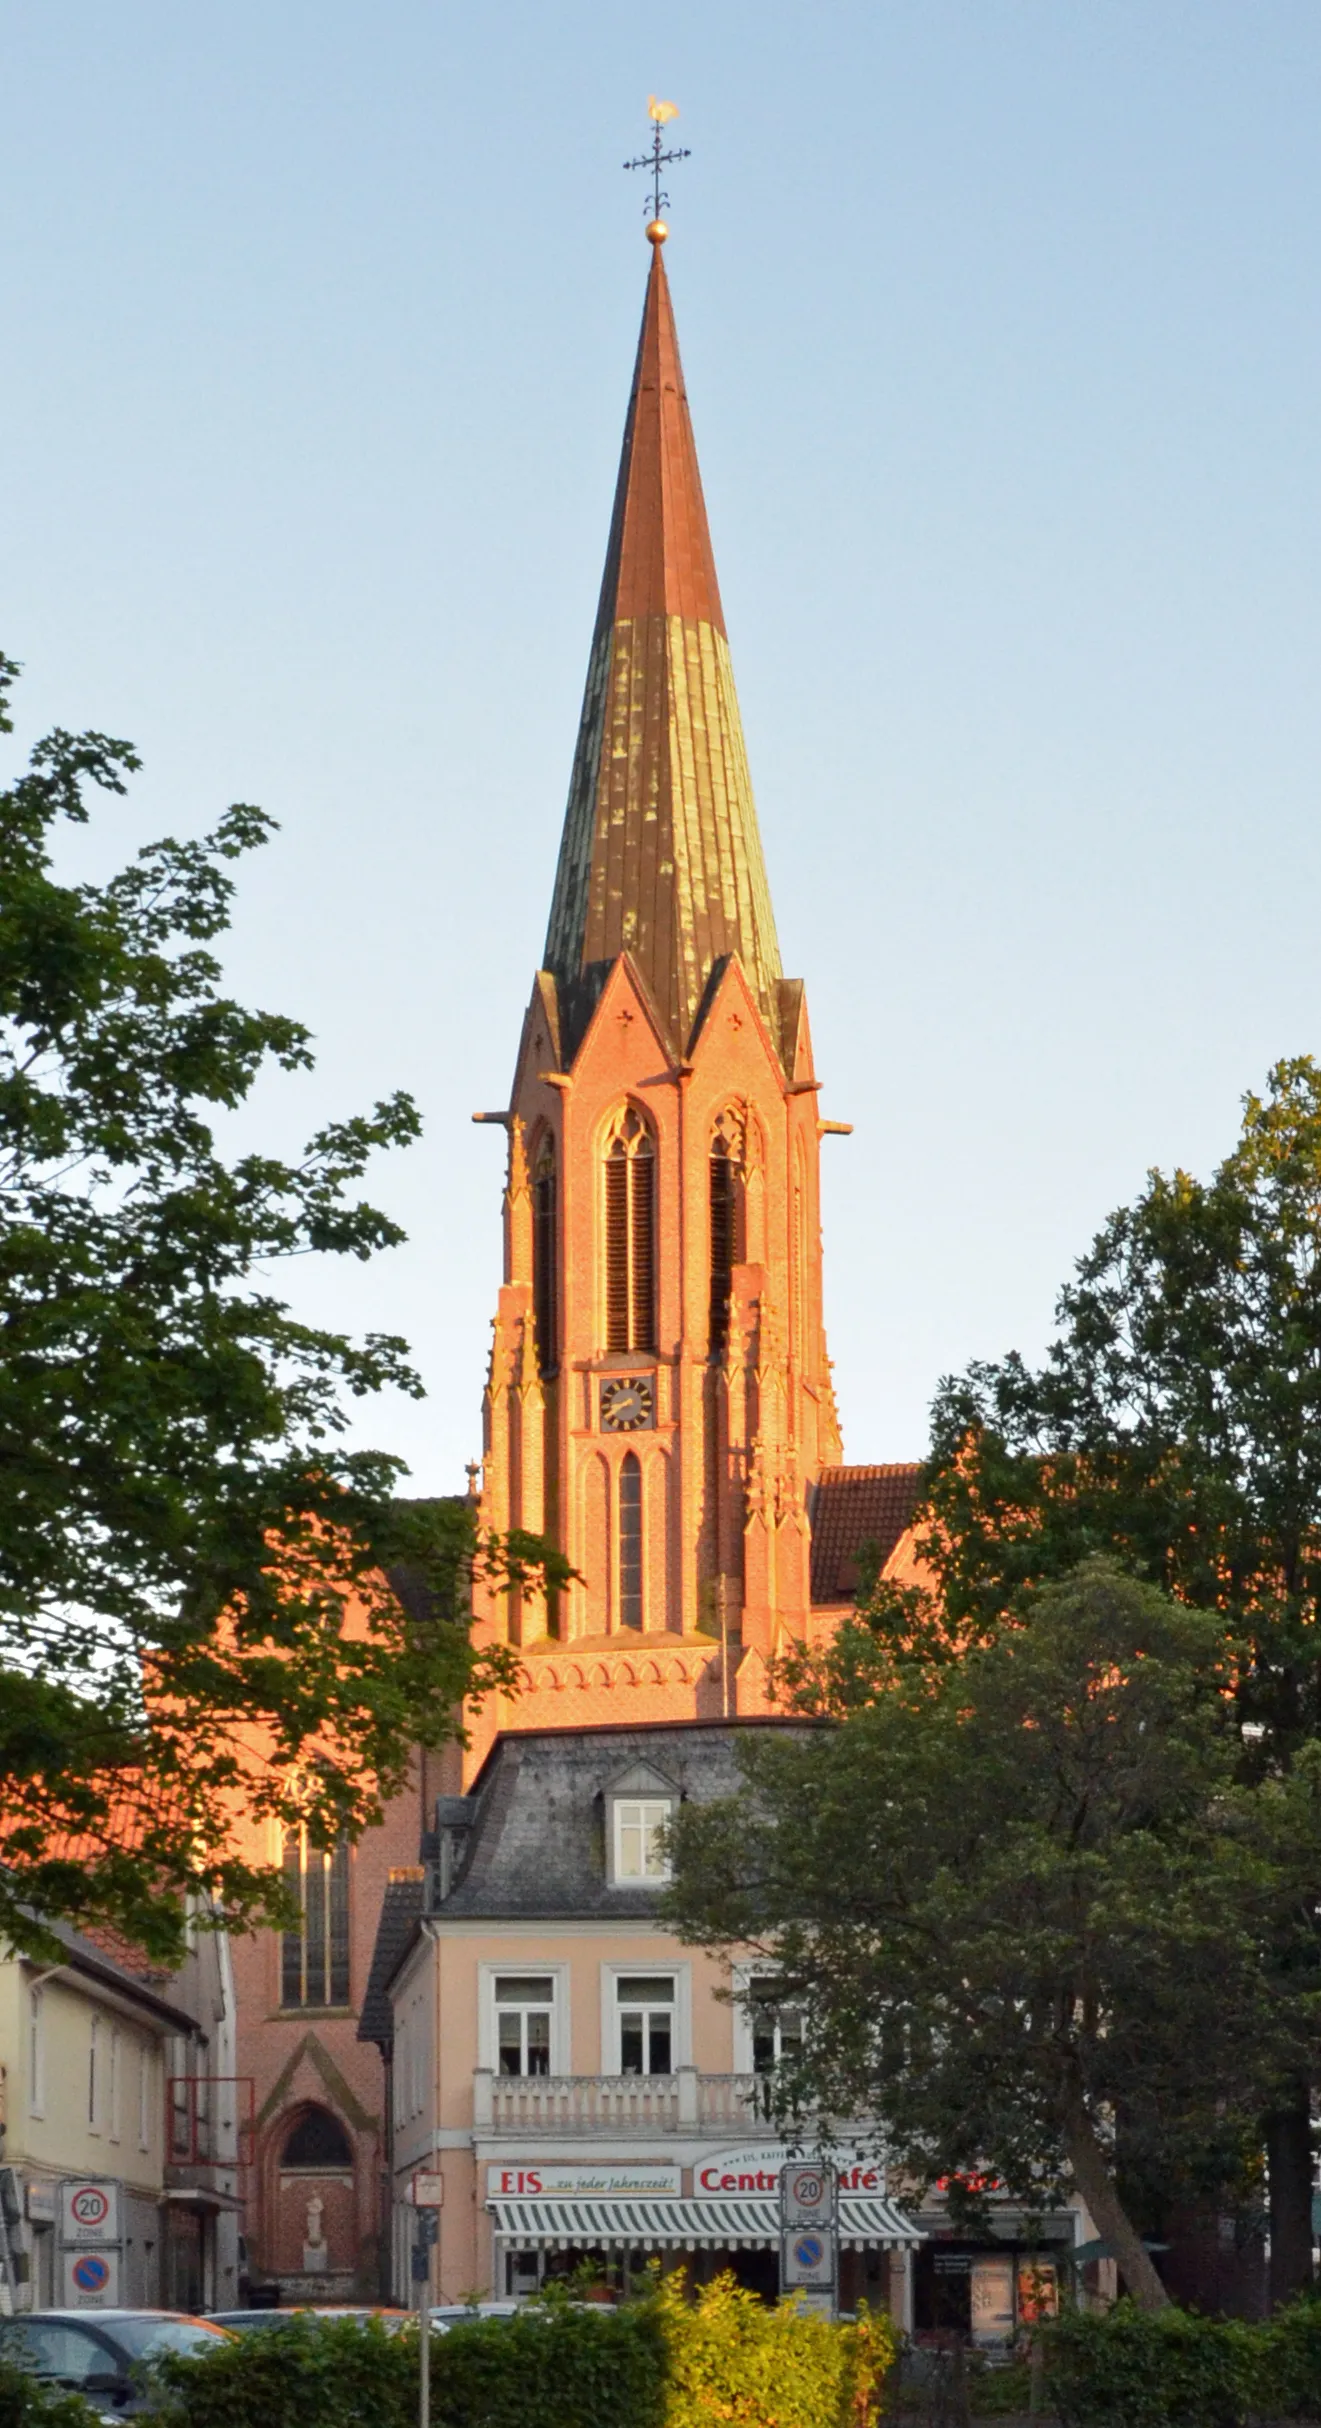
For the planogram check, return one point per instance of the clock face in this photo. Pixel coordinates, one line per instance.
(628, 1404)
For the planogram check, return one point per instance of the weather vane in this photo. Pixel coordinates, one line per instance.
(660, 112)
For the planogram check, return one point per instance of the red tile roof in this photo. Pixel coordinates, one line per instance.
(856, 1508)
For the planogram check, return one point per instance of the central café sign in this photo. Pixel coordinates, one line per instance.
(733, 2174)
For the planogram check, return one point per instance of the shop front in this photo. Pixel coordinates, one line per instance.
(710, 2212)
(987, 2285)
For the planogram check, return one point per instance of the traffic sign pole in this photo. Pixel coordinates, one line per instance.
(427, 2193)
(809, 2233)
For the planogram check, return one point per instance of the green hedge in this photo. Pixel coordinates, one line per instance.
(560, 2368)
(657, 2362)
(1130, 2369)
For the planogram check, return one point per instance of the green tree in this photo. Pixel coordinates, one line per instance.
(1176, 1421)
(195, 1622)
(1020, 1896)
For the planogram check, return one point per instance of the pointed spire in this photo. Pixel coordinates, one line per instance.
(661, 856)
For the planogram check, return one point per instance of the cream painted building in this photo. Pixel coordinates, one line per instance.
(111, 2082)
(568, 2067)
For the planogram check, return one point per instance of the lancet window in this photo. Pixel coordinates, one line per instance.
(545, 1255)
(630, 1235)
(725, 1192)
(314, 1968)
(630, 1542)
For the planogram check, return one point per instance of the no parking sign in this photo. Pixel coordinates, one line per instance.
(91, 2280)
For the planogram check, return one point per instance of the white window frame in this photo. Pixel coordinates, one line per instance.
(146, 2084)
(415, 2098)
(617, 1806)
(113, 2083)
(95, 2076)
(612, 1973)
(743, 1977)
(488, 2036)
(36, 2051)
(402, 2060)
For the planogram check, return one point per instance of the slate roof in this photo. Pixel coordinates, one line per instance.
(852, 1508)
(536, 1849)
(401, 1911)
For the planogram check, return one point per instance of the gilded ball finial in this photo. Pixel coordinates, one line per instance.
(657, 231)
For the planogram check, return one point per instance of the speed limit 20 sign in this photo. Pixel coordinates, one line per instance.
(89, 2212)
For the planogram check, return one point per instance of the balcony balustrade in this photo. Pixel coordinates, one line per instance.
(635, 2104)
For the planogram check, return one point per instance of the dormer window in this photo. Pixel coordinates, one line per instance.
(640, 1825)
(640, 1805)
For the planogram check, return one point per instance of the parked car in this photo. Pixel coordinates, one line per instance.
(457, 2314)
(102, 2354)
(242, 2322)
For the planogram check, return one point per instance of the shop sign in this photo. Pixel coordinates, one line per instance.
(89, 2212)
(91, 2280)
(756, 2166)
(607, 2181)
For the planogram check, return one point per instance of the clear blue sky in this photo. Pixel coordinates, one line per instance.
(1000, 319)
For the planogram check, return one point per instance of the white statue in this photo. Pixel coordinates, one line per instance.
(316, 2257)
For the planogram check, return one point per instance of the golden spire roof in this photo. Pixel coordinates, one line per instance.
(661, 856)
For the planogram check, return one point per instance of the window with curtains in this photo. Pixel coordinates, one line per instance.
(630, 1542)
(314, 1966)
(524, 2007)
(725, 1171)
(646, 2004)
(545, 1254)
(630, 1231)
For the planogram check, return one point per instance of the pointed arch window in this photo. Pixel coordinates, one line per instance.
(725, 1195)
(630, 1234)
(545, 1255)
(314, 1959)
(630, 1541)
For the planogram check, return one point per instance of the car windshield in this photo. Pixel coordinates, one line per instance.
(145, 2337)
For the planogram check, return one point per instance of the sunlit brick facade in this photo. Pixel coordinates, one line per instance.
(659, 1398)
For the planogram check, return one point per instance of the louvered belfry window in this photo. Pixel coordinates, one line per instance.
(725, 1170)
(545, 1255)
(314, 1968)
(630, 1230)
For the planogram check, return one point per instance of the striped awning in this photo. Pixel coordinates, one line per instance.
(866, 2222)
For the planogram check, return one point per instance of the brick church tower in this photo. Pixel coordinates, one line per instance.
(659, 1399)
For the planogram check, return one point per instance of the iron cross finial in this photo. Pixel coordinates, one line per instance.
(660, 112)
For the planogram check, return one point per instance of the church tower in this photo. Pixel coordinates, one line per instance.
(659, 1399)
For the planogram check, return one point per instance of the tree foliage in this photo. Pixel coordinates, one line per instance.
(1019, 1895)
(1176, 1419)
(1176, 1422)
(195, 1623)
